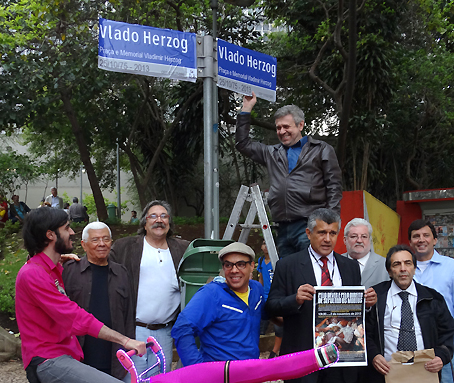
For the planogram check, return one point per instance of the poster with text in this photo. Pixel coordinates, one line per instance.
(339, 319)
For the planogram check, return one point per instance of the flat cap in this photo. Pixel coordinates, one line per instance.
(237, 247)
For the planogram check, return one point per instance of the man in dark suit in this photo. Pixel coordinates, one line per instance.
(293, 284)
(431, 324)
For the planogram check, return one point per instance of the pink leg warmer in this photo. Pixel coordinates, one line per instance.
(248, 371)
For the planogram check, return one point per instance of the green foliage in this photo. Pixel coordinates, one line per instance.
(17, 170)
(10, 264)
(89, 203)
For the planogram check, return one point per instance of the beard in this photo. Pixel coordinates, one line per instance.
(60, 246)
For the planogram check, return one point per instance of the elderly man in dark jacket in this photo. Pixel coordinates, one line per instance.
(101, 287)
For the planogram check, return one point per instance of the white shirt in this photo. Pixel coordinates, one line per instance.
(391, 320)
(55, 201)
(158, 294)
(362, 261)
(332, 268)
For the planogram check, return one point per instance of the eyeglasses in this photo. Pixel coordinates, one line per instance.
(240, 265)
(355, 237)
(97, 240)
(154, 216)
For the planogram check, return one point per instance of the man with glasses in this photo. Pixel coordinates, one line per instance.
(357, 239)
(152, 259)
(102, 287)
(407, 317)
(224, 314)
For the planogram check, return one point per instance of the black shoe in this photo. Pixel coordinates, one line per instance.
(272, 355)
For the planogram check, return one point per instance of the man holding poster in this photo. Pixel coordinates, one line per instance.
(292, 290)
(407, 317)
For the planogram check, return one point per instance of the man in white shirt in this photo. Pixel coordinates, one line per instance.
(152, 259)
(407, 317)
(433, 269)
(54, 200)
(357, 239)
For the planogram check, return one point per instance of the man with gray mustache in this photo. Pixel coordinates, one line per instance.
(152, 259)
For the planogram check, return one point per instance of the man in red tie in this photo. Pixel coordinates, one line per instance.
(293, 284)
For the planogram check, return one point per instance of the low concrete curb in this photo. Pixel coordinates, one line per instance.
(9, 346)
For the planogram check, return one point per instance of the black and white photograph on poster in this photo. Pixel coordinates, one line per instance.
(339, 319)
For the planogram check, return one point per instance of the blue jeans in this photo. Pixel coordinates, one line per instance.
(65, 369)
(292, 237)
(446, 373)
(164, 339)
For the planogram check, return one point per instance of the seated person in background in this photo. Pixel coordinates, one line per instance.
(224, 315)
(3, 209)
(77, 212)
(18, 210)
(134, 220)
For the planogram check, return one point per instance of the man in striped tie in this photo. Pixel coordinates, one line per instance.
(293, 284)
(407, 317)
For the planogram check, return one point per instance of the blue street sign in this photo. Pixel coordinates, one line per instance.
(138, 49)
(245, 71)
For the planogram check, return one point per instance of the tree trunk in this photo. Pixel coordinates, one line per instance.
(84, 155)
(349, 88)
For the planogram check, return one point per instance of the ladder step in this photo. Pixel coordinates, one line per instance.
(253, 226)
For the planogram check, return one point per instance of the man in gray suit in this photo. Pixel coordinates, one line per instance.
(357, 238)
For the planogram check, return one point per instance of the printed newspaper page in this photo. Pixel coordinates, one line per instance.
(339, 319)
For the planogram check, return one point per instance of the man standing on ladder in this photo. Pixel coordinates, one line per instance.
(304, 173)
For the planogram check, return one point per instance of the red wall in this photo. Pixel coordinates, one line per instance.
(408, 211)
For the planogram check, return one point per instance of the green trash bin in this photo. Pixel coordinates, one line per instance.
(111, 211)
(199, 263)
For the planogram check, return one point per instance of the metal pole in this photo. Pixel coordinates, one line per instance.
(215, 147)
(118, 183)
(208, 137)
(208, 162)
(81, 173)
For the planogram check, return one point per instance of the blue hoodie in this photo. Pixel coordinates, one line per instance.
(228, 328)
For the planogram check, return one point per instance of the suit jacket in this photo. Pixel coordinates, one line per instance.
(128, 251)
(437, 325)
(77, 277)
(375, 270)
(60, 201)
(292, 272)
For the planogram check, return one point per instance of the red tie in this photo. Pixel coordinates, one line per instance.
(326, 280)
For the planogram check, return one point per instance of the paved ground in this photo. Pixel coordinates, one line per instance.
(12, 372)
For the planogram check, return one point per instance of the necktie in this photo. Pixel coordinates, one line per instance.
(326, 280)
(407, 337)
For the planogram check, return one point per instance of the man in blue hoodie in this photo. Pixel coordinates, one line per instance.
(225, 315)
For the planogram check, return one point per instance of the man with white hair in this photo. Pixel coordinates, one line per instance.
(101, 287)
(357, 239)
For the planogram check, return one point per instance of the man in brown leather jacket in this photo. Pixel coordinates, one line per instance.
(304, 173)
(152, 259)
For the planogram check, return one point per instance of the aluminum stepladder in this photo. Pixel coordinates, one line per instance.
(254, 196)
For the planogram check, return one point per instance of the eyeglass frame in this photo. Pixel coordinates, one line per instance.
(236, 264)
(163, 216)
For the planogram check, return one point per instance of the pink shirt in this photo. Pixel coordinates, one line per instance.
(48, 320)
